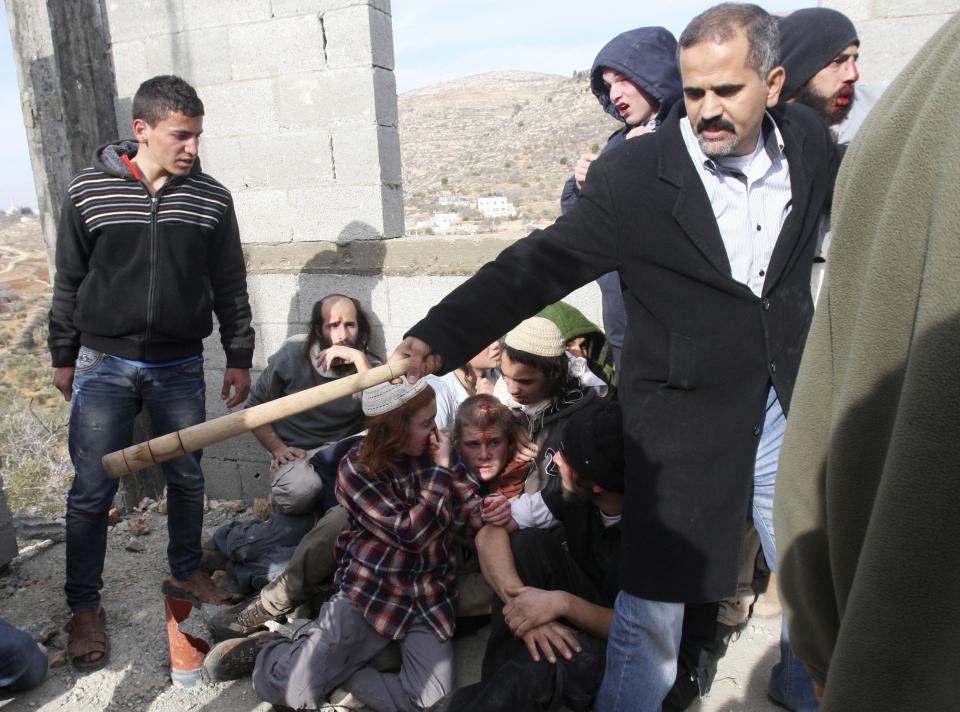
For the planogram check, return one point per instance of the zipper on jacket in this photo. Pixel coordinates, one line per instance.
(151, 286)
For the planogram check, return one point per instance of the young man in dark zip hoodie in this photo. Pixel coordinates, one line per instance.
(636, 80)
(147, 250)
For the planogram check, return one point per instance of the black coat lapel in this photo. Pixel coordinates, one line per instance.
(692, 209)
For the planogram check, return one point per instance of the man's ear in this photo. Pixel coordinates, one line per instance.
(140, 127)
(774, 83)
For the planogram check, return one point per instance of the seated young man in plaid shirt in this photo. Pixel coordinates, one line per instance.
(397, 567)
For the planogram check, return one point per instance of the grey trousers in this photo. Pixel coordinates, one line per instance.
(313, 562)
(334, 651)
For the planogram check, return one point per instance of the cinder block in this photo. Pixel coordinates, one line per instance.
(124, 111)
(287, 8)
(358, 36)
(367, 154)
(370, 291)
(263, 215)
(337, 213)
(255, 479)
(130, 66)
(136, 19)
(221, 478)
(392, 336)
(273, 335)
(911, 8)
(242, 448)
(266, 49)
(240, 108)
(342, 97)
(273, 297)
(223, 159)
(213, 380)
(882, 59)
(412, 297)
(201, 57)
(213, 356)
(291, 159)
(393, 225)
(214, 13)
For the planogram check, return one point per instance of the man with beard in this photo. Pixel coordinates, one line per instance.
(711, 222)
(819, 50)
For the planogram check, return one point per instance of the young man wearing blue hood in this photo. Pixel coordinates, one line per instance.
(636, 80)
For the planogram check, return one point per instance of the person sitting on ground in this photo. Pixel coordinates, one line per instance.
(396, 573)
(583, 340)
(555, 593)
(22, 663)
(337, 345)
(537, 385)
(309, 567)
(487, 437)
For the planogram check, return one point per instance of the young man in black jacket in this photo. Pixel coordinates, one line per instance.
(147, 250)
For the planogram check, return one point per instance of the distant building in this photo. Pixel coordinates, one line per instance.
(445, 220)
(496, 206)
(454, 201)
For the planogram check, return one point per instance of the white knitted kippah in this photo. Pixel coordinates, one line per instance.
(385, 397)
(536, 335)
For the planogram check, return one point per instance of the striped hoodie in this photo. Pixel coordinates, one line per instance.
(139, 276)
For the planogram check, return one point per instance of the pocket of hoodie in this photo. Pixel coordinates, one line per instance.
(682, 362)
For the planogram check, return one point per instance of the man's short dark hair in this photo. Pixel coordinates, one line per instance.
(553, 368)
(163, 95)
(721, 22)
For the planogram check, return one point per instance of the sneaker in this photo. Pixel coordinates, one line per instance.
(240, 620)
(233, 659)
(341, 700)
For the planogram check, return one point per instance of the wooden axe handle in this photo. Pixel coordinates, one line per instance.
(166, 447)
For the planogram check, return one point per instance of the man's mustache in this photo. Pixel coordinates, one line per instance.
(717, 123)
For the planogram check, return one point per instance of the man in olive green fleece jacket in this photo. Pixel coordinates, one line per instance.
(868, 495)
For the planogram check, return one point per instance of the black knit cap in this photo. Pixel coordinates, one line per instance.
(809, 39)
(592, 442)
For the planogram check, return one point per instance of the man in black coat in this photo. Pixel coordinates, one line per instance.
(711, 222)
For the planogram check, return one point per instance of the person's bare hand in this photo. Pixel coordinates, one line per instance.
(340, 354)
(640, 130)
(549, 638)
(285, 454)
(583, 165)
(484, 385)
(440, 448)
(496, 511)
(63, 380)
(530, 608)
(527, 449)
(423, 359)
(239, 380)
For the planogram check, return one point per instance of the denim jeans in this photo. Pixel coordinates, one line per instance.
(645, 635)
(107, 395)
(789, 683)
(22, 664)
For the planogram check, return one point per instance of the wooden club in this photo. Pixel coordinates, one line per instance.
(166, 447)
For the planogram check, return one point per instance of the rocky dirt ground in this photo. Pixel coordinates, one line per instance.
(137, 677)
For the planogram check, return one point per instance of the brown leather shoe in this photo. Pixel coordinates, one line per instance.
(198, 589)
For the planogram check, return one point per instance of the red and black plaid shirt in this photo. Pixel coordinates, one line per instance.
(397, 555)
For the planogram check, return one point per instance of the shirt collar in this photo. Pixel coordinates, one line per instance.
(770, 132)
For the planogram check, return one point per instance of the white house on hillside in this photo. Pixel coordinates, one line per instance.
(496, 206)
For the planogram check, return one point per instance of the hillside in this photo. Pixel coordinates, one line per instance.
(512, 133)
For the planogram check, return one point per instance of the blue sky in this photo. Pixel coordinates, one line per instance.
(434, 41)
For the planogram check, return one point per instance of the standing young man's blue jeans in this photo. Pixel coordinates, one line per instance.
(108, 392)
(645, 636)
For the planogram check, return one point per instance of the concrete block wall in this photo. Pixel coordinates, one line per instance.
(301, 111)
(891, 31)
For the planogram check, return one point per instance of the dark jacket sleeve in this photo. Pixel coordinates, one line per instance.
(569, 195)
(74, 247)
(527, 276)
(228, 277)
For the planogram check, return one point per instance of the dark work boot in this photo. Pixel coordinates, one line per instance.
(240, 620)
(233, 659)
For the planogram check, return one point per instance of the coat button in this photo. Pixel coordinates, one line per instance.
(766, 304)
(756, 430)
(773, 367)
